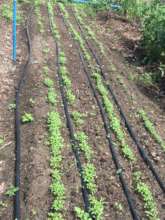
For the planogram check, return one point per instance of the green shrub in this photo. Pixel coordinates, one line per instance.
(154, 33)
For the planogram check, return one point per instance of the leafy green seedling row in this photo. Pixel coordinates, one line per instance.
(56, 143)
(151, 128)
(62, 60)
(90, 33)
(115, 122)
(146, 194)
(51, 96)
(57, 187)
(37, 4)
(89, 172)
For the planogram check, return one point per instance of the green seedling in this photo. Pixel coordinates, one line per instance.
(82, 139)
(1, 140)
(70, 97)
(62, 58)
(78, 118)
(48, 82)
(12, 106)
(118, 207)
(147, 79)
(46, 70)
(119, 171)
(3, 204)
(34, 212)
(46, 50)
(81, 214)
(32, 102)
(27, 118)
(89, 176)
(51, 96)
(97, 208)
(11, 191)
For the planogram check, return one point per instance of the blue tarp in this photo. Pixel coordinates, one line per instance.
(113, 6)
(80, 1)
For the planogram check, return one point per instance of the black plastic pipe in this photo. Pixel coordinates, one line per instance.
(17, 212)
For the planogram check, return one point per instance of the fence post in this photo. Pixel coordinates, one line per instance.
(14, 30)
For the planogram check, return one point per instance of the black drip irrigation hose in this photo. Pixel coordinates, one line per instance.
(85, 192)
(17, 212)
(108, 135)
(142, 151)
